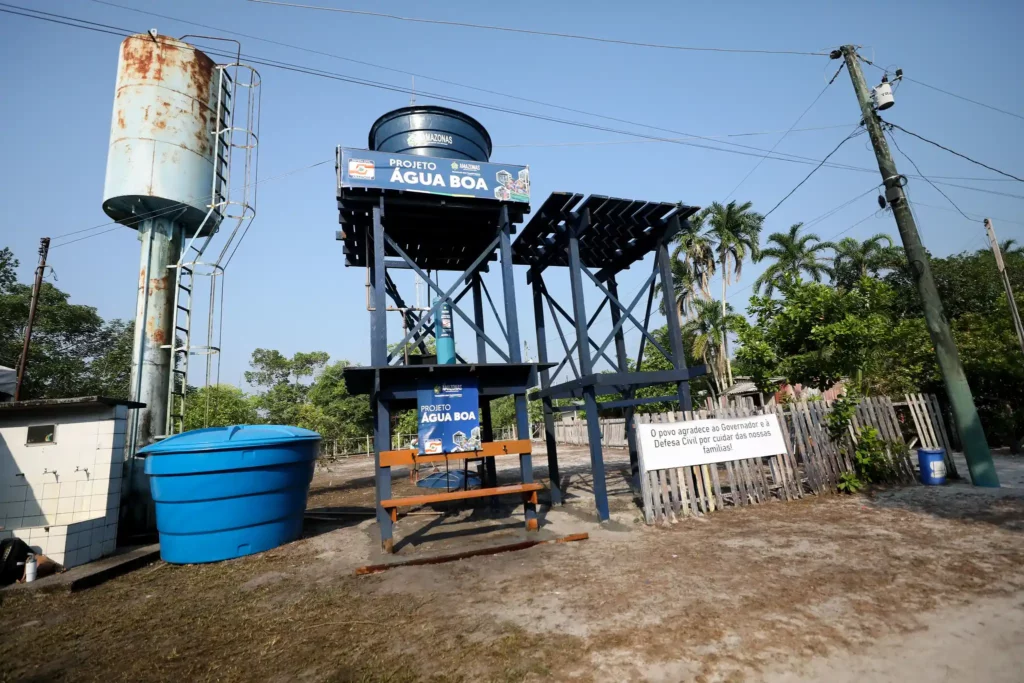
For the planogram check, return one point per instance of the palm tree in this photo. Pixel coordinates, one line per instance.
(685, 289)
(735, 231)
(854, 260)
(705, 332)
(696, 249)
(693, 264)
(794, 254)
(1011, 247)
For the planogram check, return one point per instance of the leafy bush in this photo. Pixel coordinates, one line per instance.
(838, 419)
(871, 458)
(849, 483)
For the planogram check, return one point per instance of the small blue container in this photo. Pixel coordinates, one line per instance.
(226, 492)
(932, 462)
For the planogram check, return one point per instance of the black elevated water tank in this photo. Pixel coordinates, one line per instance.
(431, 131)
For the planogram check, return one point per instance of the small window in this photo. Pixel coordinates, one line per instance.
(38, 434)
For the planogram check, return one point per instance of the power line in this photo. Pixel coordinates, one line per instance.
(914, 164)
(597, 143)
(534, 32)
(945, 92)
(173, 208)
(814, 170)
(400, 89)
(833, 211)
(976, 217)
(779, 141)
(965, 99)
(962, 156)
(841, 232)
(791, 158)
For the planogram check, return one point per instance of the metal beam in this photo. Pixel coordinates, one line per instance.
(586, 368)
(675, 334)
(623, 366)
(617, 320)
(447, 296)
(554, 477)
(625, 311)
(415, 334)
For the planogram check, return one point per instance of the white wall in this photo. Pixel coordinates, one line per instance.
(81, 500)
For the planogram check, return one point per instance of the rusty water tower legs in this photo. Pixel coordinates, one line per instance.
(161, 240)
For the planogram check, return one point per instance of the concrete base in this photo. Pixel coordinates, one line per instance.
(122, 561)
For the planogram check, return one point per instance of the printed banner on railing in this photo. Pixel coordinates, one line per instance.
(701, 442)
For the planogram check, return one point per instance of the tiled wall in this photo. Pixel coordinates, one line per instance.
(73, 544)
(80, 502)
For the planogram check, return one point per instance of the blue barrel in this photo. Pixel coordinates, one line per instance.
(932, 462)
(226, 492)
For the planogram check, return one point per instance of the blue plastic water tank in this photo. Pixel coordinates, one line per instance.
(932, 462)
(226, 492)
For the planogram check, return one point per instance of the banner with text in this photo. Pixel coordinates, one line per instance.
(701, 442)
(435, 175)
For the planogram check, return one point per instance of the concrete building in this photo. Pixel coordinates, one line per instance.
(61, 474)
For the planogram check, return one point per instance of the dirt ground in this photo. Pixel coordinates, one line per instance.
(914, 584)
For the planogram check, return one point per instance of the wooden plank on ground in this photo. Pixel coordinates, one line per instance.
(940, 425)
(789, 458)
(673, 487)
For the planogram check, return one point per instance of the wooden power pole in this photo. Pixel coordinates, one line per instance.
(44, 250)
(1005, 277)
(965, 413)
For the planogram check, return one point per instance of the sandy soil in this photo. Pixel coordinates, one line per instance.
(915, 584)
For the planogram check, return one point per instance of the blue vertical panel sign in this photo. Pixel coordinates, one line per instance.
(448, 420)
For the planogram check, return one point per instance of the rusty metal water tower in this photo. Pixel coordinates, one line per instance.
(180, 169)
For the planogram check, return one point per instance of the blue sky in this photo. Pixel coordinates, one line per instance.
(288, 289)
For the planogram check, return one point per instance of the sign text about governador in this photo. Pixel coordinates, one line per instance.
(700, 442)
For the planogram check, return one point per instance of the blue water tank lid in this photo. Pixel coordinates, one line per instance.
(229, 438)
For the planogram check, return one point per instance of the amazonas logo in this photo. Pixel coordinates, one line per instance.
(421, 137)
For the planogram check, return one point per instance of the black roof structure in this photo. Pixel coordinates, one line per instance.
(440, 233)
(621, 231)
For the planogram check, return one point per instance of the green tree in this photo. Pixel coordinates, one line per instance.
(703, 335)
(817, 335)
(686, 290)
(794, 254)
(334, 412)
(218, 405)
(854, 260)
(693, 264)
(735, 232)
(283, 382)
(967, 283)
(109, 373)
(66, 337)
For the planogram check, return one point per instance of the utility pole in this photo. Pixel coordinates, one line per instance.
(44, 250)
(1005, 277)
(965, 414)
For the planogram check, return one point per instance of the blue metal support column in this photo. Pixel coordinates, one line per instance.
(545, 382)
(620, 355)
(586, 367)
(675, 335)
(486, 426)
(515, 355)
(379, 358)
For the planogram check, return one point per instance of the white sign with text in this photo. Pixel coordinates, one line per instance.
(700, 442)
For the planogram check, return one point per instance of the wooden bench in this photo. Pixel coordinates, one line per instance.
(528, 492)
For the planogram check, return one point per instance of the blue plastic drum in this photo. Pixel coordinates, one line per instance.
(932, 462)
(226, 492)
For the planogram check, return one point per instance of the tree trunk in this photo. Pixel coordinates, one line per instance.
(725, 328)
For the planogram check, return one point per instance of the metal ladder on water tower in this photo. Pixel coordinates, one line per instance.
(185, 270)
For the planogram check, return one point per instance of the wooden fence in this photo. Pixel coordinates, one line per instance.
(812, 464)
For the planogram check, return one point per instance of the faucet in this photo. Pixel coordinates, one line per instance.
(82, 469)
(49, 471)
